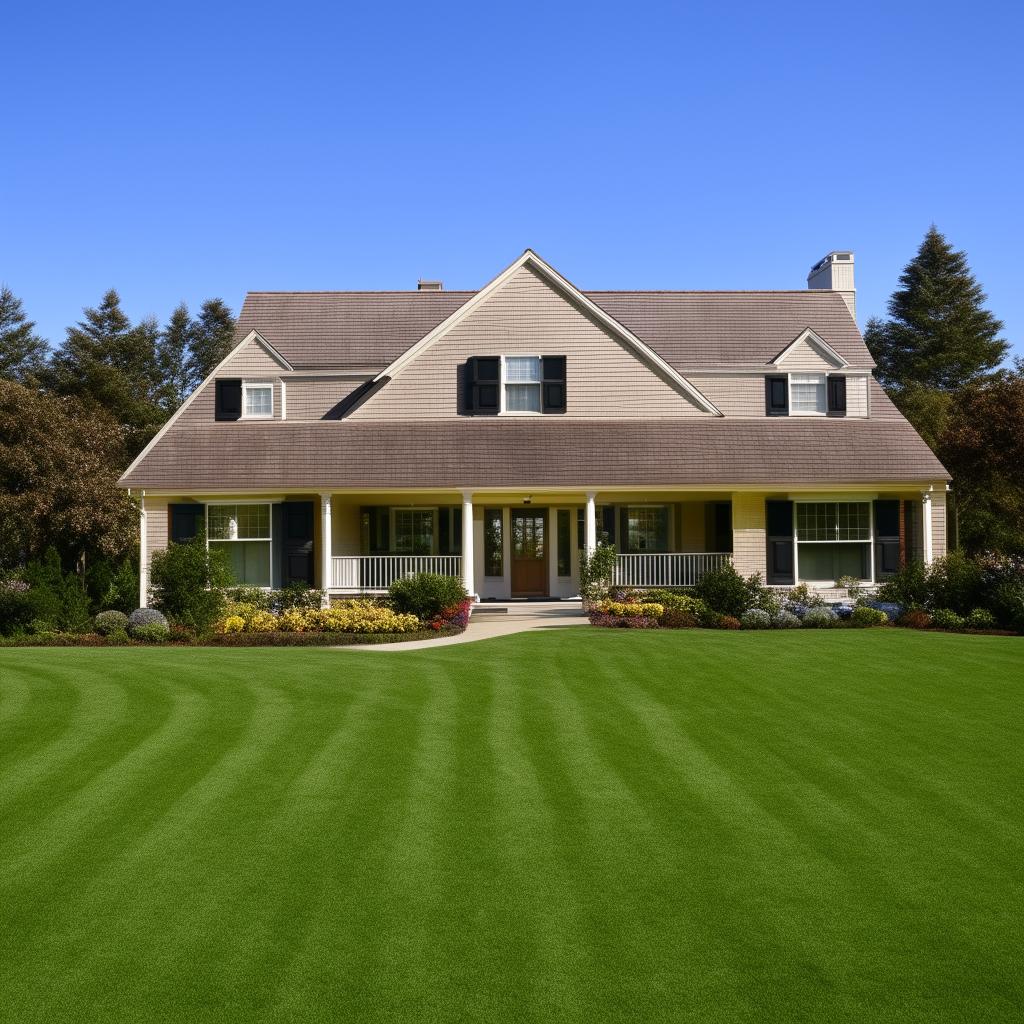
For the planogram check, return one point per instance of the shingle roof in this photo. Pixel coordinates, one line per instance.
(368, 330)
(534, 453)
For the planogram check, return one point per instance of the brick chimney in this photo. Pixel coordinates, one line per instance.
(834, 272)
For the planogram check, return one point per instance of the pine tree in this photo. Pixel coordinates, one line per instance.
(22, 352)
(938, 335)
(173, 356)
(213, 339)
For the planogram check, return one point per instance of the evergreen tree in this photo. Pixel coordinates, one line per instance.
(22, 352)
(938, 335)
(213, 339)
(173, 355)
(114, 365)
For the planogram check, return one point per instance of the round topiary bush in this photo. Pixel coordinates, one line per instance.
(820, 618)
(106, 623)
(785, 620)
(756, 618)
(864, 617)
(148, 624)
(981, 618)
(944, 618)
(426, 594)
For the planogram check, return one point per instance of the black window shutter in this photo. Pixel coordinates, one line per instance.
(481, 383)
(443, 519)
(228, 400)
(779, 532)
(623, 545)
(297, 549)
(887, 538)
(776, 396)
(608, 522)
(836, 395)
(185, 521)
(553, 386)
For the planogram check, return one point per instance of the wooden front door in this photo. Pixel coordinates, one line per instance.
(529, 552)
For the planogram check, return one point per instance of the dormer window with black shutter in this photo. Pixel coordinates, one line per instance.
(514, 385)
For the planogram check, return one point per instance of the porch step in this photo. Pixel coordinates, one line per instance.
(490, 609)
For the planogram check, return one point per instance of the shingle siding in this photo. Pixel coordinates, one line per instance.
(314, 399)
(526, 316)
(748, 534)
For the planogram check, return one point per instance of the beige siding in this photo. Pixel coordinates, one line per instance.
(743, 394)
(314, 399)
(344, 528)
(857, 396)
(251, 363)
(526, 316)
(692, 528)
(938, 524)
(805, 357)
(748, 533)
(157, 524)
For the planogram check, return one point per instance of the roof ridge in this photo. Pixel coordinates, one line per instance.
(586, 291)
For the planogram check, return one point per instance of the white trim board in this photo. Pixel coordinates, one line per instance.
(531, 259)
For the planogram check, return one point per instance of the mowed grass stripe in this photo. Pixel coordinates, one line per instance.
(573, 825)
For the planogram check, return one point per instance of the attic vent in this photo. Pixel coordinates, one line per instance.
(429, 286)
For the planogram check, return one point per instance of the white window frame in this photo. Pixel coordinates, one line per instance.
(870, 579)
(252, 385)
(230, 540)
(503, 410)
(789, 391)
(624, 541)
(435, 525)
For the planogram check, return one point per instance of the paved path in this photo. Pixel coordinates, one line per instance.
(484, 625)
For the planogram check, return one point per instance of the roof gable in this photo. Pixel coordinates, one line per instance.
(809, 352)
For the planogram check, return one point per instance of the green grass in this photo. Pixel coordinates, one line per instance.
(573, 825)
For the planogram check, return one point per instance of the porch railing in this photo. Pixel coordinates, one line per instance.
(672, 569)
(366, 573)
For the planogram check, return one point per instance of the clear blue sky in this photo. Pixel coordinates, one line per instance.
(183, 150)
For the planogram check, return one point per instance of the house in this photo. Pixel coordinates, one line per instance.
(353, 437)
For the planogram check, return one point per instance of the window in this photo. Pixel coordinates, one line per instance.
(259, 401)
(493, 560)
(243, 533)
(648, 528)
(413, 531)
(523, 378)
(807, 394)
(833, 540)
(564, 545)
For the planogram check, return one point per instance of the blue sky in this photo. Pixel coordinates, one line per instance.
(178, 151)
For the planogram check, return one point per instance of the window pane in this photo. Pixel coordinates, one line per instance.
(807, 393)
(648, 528)
(493, 562)
(528, 535)
(816, 520)
(253, 521)
(564, 547)
(220, 519)
(249, 561)
(854, 520)
(825, 563)
(259, 401)
(522, 398)
(414, 531)
(519, 369)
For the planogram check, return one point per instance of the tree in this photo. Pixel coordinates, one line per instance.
(22, 352)
(173, 354)
(938, 335)
(213, 338)
(113, 365)
(59, 463)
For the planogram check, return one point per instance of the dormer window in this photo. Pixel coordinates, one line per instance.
(807, 394)
(258, 401)
(513, 385)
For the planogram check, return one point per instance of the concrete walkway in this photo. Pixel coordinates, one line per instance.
(487, 622)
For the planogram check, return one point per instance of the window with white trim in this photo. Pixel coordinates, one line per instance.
(807, 394)
(523, 376)
(413, 530)
(242, 532)
(833, 539)
(258, 401)
(648, 528)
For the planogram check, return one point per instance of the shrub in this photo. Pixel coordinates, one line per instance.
(820, 617)
(293, 620)
(784, 619)
(118, 638)
(981, 618)
(893, 610)
(683, 605)
(908, 587)
(115, 587)
(853, 586)
(111, 622)
(188, 582)
(597, 571)
(456, 616)
(915, 618)
(42, 598)
(864, 617)
(631, 609)
(727, 622)
(148, 624)
(946, 618)
(802, 594)
(844, 611)
(15, 606)
(606, 619)
(296, 595)
(796, 608)
(255, 598)
(756, 618)
(674, 618)
(231, 624)
(426, 594)
(725, 591)
(955, 582)
(261, 622)
(1003, 580)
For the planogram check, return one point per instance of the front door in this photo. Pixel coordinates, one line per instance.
(529, 553)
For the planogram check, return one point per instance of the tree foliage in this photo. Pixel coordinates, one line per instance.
(939, 334)
(212, 339)
(22, 352)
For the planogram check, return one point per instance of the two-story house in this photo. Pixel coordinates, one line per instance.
(352, 437)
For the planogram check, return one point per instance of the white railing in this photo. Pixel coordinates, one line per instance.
(367, 573)
(673, 569)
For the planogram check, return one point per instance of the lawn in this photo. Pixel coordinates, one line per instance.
(575, 825)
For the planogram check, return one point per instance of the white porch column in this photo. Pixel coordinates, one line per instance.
(143, 555)
(327, 568)
(468, 574)
(590, 525)
(926, 525)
